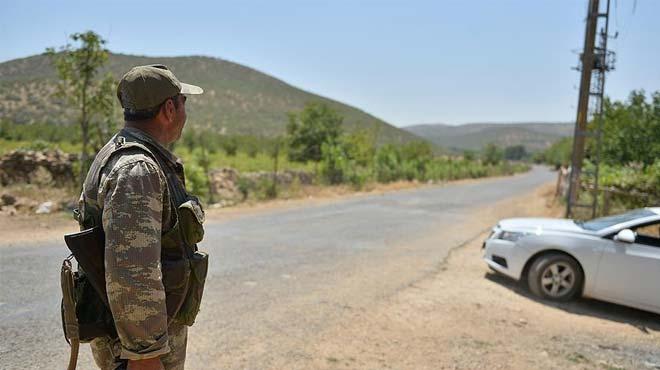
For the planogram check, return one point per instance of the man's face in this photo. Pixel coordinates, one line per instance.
(174, 117)
(180, 117)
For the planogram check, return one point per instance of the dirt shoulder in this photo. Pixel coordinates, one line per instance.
(466, 317)
(29, 228)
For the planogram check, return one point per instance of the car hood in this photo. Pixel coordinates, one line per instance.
(539, 225)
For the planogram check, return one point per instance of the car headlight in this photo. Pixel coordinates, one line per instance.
(511, 236)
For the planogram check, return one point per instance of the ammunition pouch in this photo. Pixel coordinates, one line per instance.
(89, 294)
(187, 232)
(199, 263)
(94, 317)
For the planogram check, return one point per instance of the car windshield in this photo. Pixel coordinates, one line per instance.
(604, 222)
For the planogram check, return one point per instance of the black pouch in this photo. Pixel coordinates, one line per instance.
(92, 311)
(93, 316)
(199, 263)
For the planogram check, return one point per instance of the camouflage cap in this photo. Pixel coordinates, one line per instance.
(145, 87)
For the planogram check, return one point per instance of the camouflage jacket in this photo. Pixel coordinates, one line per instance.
(131, 200)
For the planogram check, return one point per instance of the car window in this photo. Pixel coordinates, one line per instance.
(648, 234)
(605, 222)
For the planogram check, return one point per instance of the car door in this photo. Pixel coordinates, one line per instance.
(629, 273)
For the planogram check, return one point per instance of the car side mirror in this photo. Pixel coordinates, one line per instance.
(626, 236)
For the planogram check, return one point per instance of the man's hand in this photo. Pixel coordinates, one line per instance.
(148, 364)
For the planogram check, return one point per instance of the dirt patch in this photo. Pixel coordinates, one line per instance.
(468, 318)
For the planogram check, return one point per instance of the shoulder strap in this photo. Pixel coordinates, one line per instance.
(174, 184)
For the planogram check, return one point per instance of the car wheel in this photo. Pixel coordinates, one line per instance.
(555, 276)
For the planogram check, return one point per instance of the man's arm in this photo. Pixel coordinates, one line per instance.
(132, 217)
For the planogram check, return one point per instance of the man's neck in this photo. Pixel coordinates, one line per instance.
(150, 128)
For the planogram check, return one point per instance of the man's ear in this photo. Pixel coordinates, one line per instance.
(169, 110)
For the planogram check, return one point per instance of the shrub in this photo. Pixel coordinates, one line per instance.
(492, 154)
(387, 164)
(265, 189)
(245, 187)
(196, 179)
(230, 146)
(333, 163)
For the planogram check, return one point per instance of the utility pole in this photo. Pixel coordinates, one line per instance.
(595, 61)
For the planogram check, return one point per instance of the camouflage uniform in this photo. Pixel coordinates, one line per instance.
(133, 203)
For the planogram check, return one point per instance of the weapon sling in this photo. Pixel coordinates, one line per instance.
(69, 312)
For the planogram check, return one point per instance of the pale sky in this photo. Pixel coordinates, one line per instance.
(406, 62)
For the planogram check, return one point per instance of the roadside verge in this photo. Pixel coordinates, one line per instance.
(465, 317)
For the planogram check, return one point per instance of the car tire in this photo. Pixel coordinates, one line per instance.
(555, 276)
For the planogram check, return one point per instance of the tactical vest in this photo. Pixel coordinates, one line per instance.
(183, 266)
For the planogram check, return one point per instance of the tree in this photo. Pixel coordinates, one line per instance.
(271, 192)
(515, 152)
(204, 161)
(309, 129)
(93, 98)
(469, 155)
(558, 154)
(492, 154)
(360, 147)
(631, 130)
(230, 146)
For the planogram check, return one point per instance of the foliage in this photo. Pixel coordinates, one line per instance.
(387, 164)
(274, 153)
(245, 187)
(630, 148)
(360, 147)
(77, 69)
(515, 153)
(196, 179)
(309, 129)
(469, 155)
(38, 131)
(630, 186)
(349, 160)
(492, 154)
(632, 177)
(558, 154)
(230, 146)
(631, 130)
(334, 163)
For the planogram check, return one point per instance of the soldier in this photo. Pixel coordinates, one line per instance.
(135, 190)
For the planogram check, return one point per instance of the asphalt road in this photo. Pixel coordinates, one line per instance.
(276, 278)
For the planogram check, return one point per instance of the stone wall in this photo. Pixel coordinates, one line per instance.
(37, 167)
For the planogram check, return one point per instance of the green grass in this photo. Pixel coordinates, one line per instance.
(9, 145)
(242, 162)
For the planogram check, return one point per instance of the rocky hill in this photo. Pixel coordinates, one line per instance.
(237, 99)
(534, 136)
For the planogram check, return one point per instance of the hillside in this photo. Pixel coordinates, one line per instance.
(237, 99)
(534, 136)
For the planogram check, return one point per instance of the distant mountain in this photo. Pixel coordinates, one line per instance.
(237, 99)
(534, 136)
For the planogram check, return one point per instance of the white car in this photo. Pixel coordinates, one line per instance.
(614, 258)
